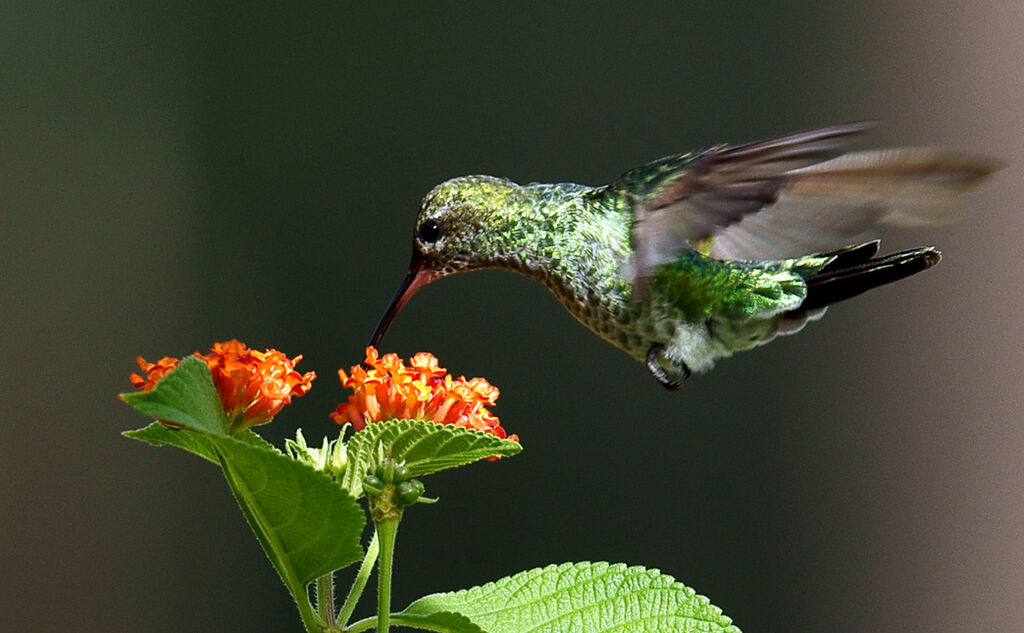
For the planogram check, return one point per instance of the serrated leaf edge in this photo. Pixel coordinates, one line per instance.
(361, 447)
(272, 450)
(164, 388)
(602, 569)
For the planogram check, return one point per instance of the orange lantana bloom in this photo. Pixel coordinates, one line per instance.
(253, 385)
(386, 389)
(153, 372)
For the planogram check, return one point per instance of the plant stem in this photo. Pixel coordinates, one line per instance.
(365, 569)
(325, 597)
(309, 617)
(386, 530)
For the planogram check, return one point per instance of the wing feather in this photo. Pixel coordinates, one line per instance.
(788, 196)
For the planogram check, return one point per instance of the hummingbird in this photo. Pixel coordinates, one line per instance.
(694, 257)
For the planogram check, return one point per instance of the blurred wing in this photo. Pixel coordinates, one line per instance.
(823, 206)
(786, 197)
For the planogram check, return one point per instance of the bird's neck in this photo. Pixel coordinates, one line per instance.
(565, 240)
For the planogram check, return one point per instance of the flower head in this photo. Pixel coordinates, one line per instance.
(253, 385)
(385, 389)
(154, 372)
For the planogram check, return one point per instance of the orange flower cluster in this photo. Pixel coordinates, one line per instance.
(253, 385)
(389, 390)
(153, 372)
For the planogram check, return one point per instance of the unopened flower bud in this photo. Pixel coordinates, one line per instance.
(338, 459)
(385, 470)
(373, 485)
(408, 492)
(401, 473)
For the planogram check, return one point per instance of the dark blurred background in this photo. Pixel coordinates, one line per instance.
(174, 176)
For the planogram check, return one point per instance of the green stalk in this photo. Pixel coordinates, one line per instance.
(365, 569)
(325, 597)
(386, 530)
(309, 617)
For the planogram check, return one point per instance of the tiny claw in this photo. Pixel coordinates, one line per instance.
(659, 372)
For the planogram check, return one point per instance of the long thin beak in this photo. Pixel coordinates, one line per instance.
(420, 272)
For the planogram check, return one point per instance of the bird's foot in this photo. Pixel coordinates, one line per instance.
(669, 380)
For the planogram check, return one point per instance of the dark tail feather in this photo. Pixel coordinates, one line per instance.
(855, 270)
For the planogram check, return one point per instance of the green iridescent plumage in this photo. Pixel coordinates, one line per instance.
(701, 287)
(694, 257)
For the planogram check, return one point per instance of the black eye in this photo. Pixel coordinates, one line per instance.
(429, 231)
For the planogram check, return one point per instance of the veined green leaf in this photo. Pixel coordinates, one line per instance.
(425, 446)
(307, 524)
(185, 396)
(573, 597)
(441, 621)
(159, 434)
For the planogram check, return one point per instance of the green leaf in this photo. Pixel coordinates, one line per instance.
(185, 396)
(440, 621)
(577, 597)
(425, 446)
(307, 524)
(159, 434)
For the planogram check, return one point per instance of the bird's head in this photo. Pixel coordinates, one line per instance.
(459, 227)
